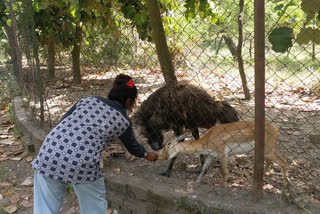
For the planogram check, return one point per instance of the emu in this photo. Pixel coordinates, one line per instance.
(177, 106)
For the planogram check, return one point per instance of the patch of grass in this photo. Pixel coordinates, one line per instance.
(2, 173)
(11, 115)
(2, 211)
(69, 188)
(6, 94)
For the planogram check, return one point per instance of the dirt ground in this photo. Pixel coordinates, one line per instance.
(295, 110)
(16, 175)
(297, 123)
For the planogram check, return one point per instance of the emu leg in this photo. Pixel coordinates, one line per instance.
(167, 173)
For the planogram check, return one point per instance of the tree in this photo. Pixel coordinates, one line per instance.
(76, 54)
(9, 26)
(239, 52)
(54, 25)
(90, 13)
(159, 39)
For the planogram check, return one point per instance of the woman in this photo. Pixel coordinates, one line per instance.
(71, 152)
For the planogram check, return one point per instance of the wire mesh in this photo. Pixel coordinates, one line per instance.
(205, 53)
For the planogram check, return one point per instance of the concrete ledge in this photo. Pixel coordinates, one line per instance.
(148, 193)
(153, 194)
(33, 136)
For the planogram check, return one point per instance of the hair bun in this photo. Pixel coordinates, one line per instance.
(123, 88)
(121, 79)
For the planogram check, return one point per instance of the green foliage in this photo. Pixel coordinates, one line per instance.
(137, 13)
(4, 15)
(106, 48)
(203, 8)
(310, 7)
(281, 39)
(308, 34)
(54, 20)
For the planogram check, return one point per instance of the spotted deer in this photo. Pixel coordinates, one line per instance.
(223, 140)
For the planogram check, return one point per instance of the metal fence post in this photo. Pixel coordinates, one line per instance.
(259, 42)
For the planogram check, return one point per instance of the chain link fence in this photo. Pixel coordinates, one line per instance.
(216, 55)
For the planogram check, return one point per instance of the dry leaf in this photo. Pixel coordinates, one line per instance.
(4, 108)
(26, 203)
(7, 153)
(117, 170)
(9, 127)
(16, 158)
(17, 143)
(5, 184)
(27, 182)
(4, 136)
(29, 159)
(316, 201)
(18, 149)
(8, 193)
(15, 199)
(18, 153)
(3, 159)
(11, 208)
(6, 142)
(7, 123)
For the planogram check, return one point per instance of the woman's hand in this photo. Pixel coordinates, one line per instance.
(151, 156)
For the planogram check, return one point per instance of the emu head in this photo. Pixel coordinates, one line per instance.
(155, 138)
(227, 113)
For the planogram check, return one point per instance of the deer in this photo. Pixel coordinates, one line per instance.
(223, 140)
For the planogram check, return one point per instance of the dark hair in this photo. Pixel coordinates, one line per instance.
(122, 89)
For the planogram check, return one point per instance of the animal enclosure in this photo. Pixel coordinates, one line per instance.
(211, 45)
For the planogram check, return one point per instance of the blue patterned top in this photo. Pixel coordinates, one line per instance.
(71, 152)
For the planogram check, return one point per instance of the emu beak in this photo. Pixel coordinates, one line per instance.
(179, 138)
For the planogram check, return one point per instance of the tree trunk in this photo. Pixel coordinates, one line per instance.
(76, 55)
(232, 47)
(313, 49)
(136, 48)
(9, 34)
(250, 48)
(159, 38)
(16, 51)
(51, 57)
(39, 81)
(239, 52)
(219, 45)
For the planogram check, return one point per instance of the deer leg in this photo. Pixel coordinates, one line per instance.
(196, 135)
(268, 163)
(204, 168)
(167, 172)
(224, 168)
(275, 158)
